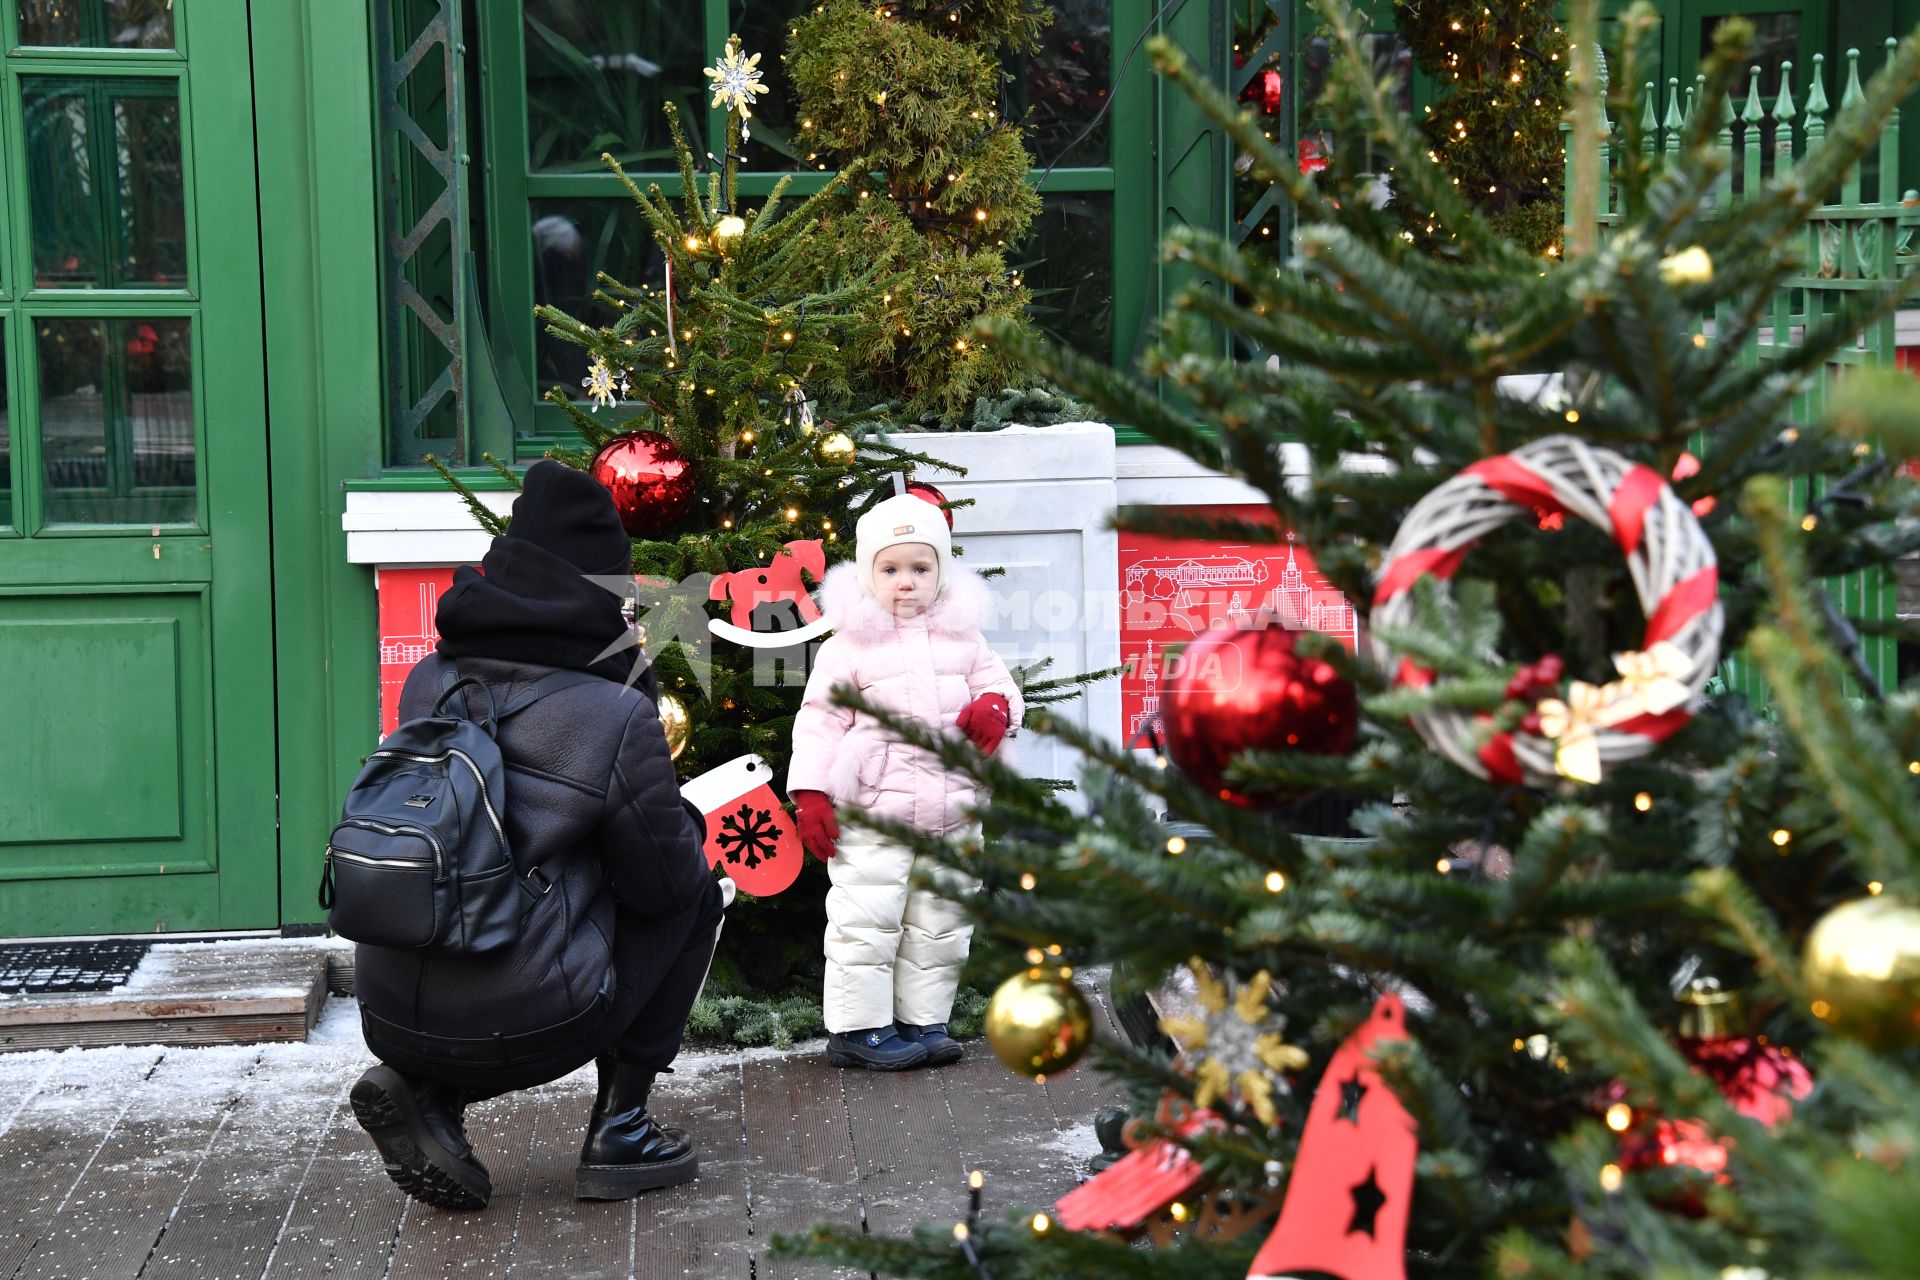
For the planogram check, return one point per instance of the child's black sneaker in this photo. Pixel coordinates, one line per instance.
(876, 1049)
(941, 1048)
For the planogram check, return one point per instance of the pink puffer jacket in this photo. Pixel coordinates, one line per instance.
(927, 667)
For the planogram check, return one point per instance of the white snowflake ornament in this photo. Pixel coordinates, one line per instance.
(736, 79)
(599, 384)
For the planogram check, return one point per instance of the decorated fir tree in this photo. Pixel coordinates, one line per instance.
(1498, 74)
(718, 412)
(905, 98)
(1486, 1025)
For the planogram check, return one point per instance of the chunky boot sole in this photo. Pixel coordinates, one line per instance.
(416, 1161)
(848, 1058)
(943, 1057)
(625, 1181)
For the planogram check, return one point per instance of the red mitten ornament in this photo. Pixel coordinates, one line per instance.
(749, 835)
(1352, 1183)
(984, 721)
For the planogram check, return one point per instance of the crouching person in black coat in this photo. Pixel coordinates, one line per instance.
(611, 957)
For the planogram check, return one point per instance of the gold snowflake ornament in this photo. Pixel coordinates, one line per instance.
(599, 384)
(1235, 1050)
(736, 79)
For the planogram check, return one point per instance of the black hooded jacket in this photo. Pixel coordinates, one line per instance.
(592, 796)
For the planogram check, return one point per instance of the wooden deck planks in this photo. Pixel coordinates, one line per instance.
(436, 1244)
(559, 1235)
(45, 1151)
(345, 1218)
(182, 994)
(231, 1213)
(904, 1149)
(120, 1206)
(800, 1159)
(168, 1163)
(699, 1230)
(1004, 1126)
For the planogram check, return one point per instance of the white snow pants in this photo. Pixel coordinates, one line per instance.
(894, 950)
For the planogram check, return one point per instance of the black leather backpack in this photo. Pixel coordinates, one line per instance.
(419, 859)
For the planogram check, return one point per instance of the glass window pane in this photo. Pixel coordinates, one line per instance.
(573, 241)
(774, 130)
(1392, 60)
(97, 24)
(1061, 87)
(116, 420)
(597, 75)
(1068, 264)
(104, 183)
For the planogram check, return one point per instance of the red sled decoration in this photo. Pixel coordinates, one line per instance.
(1348, 1199)
(750, 838)
(1137, 1185)
(779, 585)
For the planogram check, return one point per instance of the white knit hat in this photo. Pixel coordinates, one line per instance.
(900, 519)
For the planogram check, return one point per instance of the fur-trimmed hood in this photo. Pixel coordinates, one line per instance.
(957, 609)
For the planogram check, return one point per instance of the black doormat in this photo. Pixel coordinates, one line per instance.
(47, 968)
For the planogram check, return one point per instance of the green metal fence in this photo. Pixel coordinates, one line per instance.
(1865, 234)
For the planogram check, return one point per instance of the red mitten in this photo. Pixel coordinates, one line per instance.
(819, 829)
(984, 721)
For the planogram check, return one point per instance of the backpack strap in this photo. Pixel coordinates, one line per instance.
(551, 683)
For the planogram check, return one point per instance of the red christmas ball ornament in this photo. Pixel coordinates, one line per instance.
(651, 484)
(927, 493)
(1761, 1081)
(1237, 689)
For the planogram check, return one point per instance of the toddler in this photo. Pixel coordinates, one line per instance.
(907, 635)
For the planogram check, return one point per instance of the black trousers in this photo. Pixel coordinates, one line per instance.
(659, 965)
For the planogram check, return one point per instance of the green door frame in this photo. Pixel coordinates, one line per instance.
(201, 588)
(314, 120)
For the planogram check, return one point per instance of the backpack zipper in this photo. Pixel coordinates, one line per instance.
(481, 778)
(385, 829)
(343, 855)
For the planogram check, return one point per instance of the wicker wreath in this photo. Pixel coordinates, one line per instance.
(1581, 731)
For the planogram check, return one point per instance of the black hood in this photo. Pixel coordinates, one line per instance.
(534, 598)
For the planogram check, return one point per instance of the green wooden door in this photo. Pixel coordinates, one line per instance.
(136, 632)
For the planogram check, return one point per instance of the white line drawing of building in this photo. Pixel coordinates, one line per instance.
(1302, 606)
(1149, 712)
(1302, 602)
(405, 650)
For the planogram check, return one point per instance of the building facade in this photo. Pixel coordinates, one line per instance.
(257, 260)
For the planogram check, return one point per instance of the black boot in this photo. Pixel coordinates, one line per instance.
(627, 1151)
(417, 1126)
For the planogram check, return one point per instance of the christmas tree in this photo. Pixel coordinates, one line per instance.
(907, 96)
(1498, 70)
(717, 411)
(1487, 1026)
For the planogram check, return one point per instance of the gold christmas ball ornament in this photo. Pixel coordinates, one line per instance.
(1038, 1023)
(1862, 967)
(836, 447)
(677, 723)
(729, 229)
(1689, 266)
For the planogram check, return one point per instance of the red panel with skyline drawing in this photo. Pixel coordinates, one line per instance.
(1173, 589)
(408, 599)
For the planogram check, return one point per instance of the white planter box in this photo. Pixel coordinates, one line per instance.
(1041, 501)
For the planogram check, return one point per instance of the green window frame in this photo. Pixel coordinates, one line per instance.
(506, 191)
(38, 308)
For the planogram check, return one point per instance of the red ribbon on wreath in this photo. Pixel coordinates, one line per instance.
(1553, 478)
